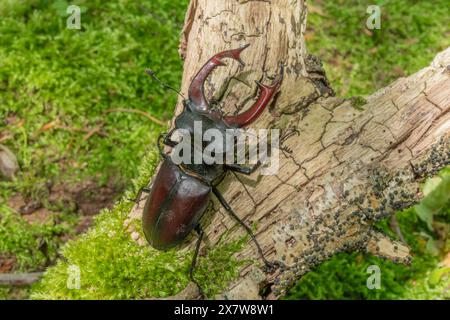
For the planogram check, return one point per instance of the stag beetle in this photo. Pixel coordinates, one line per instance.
(179, 194)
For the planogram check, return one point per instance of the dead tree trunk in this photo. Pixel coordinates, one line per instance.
(341, 168)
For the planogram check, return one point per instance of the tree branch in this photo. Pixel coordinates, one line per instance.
(19, 279)
(342, 170)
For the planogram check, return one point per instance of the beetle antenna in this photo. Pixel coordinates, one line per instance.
(152, 74)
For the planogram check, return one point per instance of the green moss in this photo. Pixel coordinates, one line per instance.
(51, 72)
(360, 61)
(220, 267)
(14, 293)
(51, 76)
(113, 266)
(31, 245)
(358, 102)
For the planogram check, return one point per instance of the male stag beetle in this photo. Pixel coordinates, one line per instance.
(179, 194)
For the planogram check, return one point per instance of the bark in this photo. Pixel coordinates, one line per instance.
(19, 279)
(341, 167)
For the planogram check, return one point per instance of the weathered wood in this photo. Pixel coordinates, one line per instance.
(19, 279)
(342, 169)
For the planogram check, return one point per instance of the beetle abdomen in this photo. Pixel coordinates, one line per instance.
(174, 206)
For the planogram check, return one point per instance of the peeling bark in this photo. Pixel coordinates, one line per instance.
(341, 168)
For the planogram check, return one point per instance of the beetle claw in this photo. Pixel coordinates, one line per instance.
(200, 104)
(235, 54)
(196, 89)
(267, 92)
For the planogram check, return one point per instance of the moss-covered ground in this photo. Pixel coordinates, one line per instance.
(58, 85)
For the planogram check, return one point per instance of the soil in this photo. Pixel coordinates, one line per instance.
(91, 199)
(85, 199)
(83, 224)
(7, 263)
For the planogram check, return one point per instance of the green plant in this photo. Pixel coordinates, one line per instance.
(58, 84)
(32, 245)
(114, 266)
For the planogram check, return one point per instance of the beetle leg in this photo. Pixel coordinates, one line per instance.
(200, 233)
(138, 199)
(167, 139)
(241, 169)
(196, 89)
(162, 136)
(265, 96)
(242, 223)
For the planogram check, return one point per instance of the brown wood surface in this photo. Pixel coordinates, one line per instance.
(341, 168)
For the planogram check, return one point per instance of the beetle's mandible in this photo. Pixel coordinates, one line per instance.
(179, 194)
